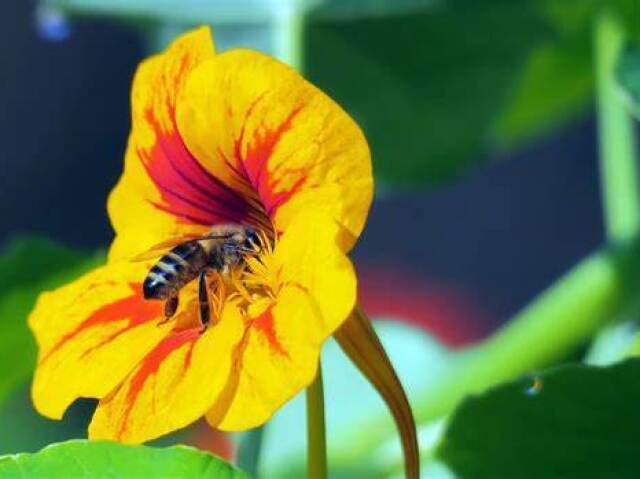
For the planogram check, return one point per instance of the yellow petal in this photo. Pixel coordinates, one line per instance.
(307, 255)
(150, 186)
(174, 385)
(278, 360)
(360, 342)
(90, 334)
(261, 126)
(280, 357)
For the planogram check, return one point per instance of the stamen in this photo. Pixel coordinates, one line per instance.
(265, 242)
(255, 280)
(240, 287)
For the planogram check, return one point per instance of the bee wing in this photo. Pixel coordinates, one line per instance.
(160, 248)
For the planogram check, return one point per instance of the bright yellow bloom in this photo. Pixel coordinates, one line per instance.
(232, 138)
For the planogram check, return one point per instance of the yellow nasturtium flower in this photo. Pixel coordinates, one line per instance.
(231, 138)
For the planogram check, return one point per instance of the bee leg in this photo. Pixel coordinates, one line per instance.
(170, 308)
(203, 297)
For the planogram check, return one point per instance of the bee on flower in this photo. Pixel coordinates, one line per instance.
(255, 185)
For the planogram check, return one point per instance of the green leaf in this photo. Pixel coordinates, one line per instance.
(28, 267)
(555, 85)
(84, 459)
(428, 88)
(573, 421)
(438, 91)
(628, 77)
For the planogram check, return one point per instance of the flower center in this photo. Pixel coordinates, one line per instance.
(254, 284)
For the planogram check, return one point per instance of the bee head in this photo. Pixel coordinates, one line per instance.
(251, 240)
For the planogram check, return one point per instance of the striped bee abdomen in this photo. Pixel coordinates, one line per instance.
(175, 269)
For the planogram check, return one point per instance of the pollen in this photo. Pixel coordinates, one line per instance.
(260, 275)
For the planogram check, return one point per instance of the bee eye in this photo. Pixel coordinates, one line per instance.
(252, 240)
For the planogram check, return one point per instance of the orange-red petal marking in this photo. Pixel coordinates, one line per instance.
(90, 334)
(133, 309)
(174, 384)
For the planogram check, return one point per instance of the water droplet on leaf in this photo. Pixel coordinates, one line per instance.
(51, 24)
(533, 386)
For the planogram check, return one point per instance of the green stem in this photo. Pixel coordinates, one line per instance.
(600, 287)
(288, 27)
(618, 166)
(316, 436)
(558, 322)
(249, 446)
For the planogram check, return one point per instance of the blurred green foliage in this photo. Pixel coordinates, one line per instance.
(628, 76)
(28, 267)
(427, 88)
(107, 459)
(25, 430)
(572, 421)
(438, 91)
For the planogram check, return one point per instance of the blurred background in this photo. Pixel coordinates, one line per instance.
(479, 115)
(482, 241)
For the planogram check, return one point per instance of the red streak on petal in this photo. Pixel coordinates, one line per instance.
(256, 164)
(275, 200)
(134, 308)
(188, 190)
(151, 364)
(194, 195)
(264, 324)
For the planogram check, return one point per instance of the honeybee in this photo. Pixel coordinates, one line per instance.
(222, 249)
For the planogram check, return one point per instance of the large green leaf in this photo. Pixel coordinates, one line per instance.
(439, 90)
(95, 460)
(27, 267)
(429, 88)
(574, 421)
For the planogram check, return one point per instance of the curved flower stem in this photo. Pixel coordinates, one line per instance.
(316, 435)
(361, 344)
